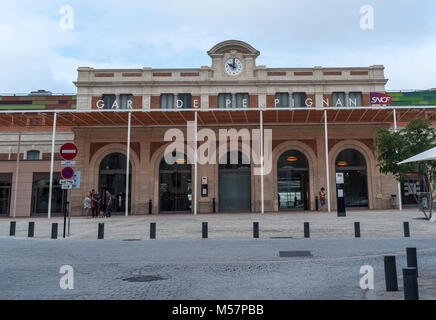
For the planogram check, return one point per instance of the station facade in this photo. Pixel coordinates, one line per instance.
(233, 93)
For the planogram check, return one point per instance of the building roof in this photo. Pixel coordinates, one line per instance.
(37, 102)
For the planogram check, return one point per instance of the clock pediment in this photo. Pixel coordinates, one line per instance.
(233, 45)
(237, 52)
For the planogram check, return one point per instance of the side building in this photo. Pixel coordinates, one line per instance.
(25, 153)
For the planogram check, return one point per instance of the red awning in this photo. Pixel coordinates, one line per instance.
(157, 118)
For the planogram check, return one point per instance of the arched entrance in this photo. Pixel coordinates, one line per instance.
(175, 185)
(352, 163)
(234, 184)
(293, 181)
(112, 177)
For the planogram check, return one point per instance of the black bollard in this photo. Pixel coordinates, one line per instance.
(54, 230)
(204, 231)
(391, 273)
(150, 207)
(100, 231)
(357, 229)
(306, 230)
(255, 229)
(213, 205)
(316, 204)
(12, 228)
(152, 230)
(31, 230)
(412, 260)
(410, 283)
(406, 229)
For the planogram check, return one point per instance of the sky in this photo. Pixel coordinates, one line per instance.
(42, 49)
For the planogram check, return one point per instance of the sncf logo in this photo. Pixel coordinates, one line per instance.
(380, 98)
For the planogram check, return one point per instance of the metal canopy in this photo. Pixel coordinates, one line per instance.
(423, 156)
(179, 117)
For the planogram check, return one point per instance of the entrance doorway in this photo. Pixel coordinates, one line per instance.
(41, 191)
(112, 177)
(175, 185)
(353, 165)
(293, 181)
(234, 184)
(5, 193)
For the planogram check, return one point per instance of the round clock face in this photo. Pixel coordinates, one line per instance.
(233, 66)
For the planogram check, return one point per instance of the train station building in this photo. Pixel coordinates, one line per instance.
(322, 121)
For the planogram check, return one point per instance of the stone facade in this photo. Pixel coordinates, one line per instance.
(149, 151)
(204, 84)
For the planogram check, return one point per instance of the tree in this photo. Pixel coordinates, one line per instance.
(393, 147)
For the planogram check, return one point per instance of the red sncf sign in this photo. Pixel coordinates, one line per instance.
(68, 151)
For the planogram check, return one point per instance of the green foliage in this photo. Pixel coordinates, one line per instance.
(393, 147)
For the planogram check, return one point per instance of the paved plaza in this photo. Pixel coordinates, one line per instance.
(387, 223)
(228, 265)
(207, 269)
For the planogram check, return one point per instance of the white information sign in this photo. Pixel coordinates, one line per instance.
(339, 178)
(68, 163)
(76, 180)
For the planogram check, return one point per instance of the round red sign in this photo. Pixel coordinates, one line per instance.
(67, 173)
(68, 151)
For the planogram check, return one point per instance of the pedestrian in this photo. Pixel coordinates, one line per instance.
(87, 204)
(96, 199)
(109, 201)
(322, 196)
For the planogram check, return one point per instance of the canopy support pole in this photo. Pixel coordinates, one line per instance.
(195, 164)
(400, 200)
(53, 139)
(327, 161)
(126, 204)
(17, 170)
(262, 195)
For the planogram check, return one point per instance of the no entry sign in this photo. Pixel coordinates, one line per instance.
(67, 173)
(68, 151)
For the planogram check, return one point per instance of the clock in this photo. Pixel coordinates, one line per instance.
(233, 66)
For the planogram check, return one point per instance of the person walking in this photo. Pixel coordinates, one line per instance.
(109, 201)
(322, 196)
(96, 199)
(87, 204)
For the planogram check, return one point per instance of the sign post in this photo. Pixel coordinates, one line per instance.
(68, 152)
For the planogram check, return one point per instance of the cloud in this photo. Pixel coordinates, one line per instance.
(170, 33)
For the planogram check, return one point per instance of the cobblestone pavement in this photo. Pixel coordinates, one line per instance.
(374, 223)
(207, 268)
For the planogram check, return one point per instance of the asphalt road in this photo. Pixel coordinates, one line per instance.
(207, 268)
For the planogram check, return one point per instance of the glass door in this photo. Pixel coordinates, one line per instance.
(5, 193)
(292, 190)
(175, 191)
(175, 185)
